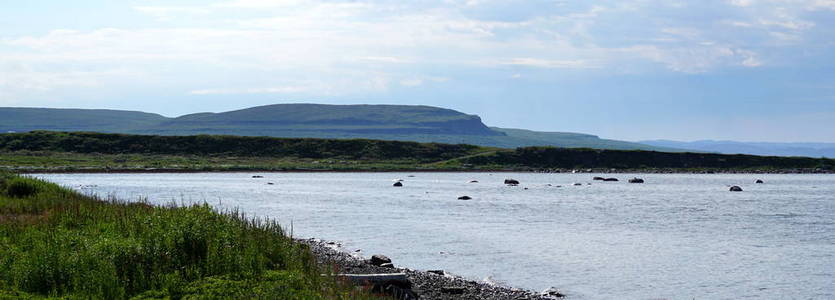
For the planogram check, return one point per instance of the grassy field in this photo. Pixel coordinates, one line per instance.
(58, 244)
(67, 161)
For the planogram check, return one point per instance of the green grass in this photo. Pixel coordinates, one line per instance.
(44, 151)
(55, 243)
(66, 161)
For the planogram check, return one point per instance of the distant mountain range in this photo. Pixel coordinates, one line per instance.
(383, 122)
(380, 122)
(755, 148)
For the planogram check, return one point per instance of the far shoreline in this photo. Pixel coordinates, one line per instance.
(544, 171)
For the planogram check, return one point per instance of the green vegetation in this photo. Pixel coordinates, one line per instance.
(55, 243)
(27, 119)
(48, 150)
(548, 157)
(79, 151)
(424, 124)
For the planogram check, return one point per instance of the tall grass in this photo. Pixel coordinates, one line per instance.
(57, 243)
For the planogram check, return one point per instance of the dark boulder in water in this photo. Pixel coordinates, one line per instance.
(759, 181)
(379, 259)
(465, 198)
(735, 189)
(610, 179)
(257, 176)
(636, 180)
(511, 182)
(598, 178)
(398, 184)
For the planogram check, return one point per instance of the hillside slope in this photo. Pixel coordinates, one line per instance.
(349, 119)
(380, 122)
(23, 119)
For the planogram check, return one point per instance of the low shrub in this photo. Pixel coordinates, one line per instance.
(21, 187)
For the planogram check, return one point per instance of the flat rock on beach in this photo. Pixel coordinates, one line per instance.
(427, 285)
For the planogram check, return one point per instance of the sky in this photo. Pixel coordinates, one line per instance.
(746, 70)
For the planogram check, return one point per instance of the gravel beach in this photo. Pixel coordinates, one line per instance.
(427, 285)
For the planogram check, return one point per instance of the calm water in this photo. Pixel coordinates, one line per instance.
(674, 237)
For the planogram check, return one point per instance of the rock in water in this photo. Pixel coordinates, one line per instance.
(759, 181)
(379, 259)
(473, 181)
(736, 189)
(465, 198)
(598, 178)
(398, 184)
(636, 180)
(511, 182)
(610, 179)
(552, 292)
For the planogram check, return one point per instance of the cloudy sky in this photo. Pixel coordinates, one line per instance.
(751, 70)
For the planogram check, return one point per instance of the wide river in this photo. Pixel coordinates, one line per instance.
(676, 236)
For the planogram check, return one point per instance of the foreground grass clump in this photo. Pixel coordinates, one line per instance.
(57, 243)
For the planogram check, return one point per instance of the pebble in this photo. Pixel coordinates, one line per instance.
(425, 284)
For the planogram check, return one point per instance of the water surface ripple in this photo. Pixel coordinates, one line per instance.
(677, 236)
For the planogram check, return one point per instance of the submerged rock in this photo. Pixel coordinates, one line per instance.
(577, 184)
(598, 178)
(511, 182)
(473, 181)
(610, 179)
(735, 189)
(759, 181)
(636, 180)
(397, 184)
(257, 176)
(465, 198)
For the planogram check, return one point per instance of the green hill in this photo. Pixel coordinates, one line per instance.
(28, 119)
(294, 119)
(379, 122)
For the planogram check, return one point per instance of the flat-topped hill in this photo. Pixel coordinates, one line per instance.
(380, 122)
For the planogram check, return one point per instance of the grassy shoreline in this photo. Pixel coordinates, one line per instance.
(58, 244)
(98, 152)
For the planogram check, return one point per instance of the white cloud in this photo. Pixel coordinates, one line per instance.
(821, 4)
(697, 59)
(269, 90)
(319, 43)
(743, 3)
(19, 81)
(168, 12)
(547, 63)
(411, 82)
